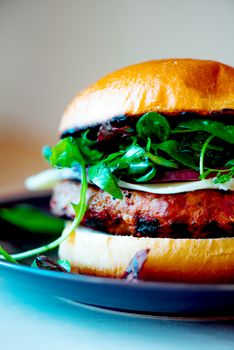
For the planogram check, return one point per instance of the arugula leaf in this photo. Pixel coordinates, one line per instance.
(171, 148)
(113, 156)
(65, 154)
(148, 145)
(221, 179)
(216, 128)
(79, 208)
(139, 167)
(114, 162)
(7, 256)
(154, 126)
(148, 176)
(101, 175)
(87, 147)
(133, 152)
(123, 159)
(198, 147)
(65, 149)
(32, 219)
(230, 163)
(205, 174)
(202, 155)
(134, 162)
(223, 176)
(85, 140)
(161, 161)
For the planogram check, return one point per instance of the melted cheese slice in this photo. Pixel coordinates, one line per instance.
(47, 179)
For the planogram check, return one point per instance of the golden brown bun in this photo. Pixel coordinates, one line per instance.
(178, 260)
(167, 86)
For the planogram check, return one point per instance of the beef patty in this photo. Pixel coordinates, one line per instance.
(197, 214)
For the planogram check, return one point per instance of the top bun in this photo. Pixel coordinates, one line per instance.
(168, 86)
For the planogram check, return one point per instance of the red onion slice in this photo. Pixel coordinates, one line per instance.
(178, 175)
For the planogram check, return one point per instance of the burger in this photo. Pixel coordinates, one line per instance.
(145, 164)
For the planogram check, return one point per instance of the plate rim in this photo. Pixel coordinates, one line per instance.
(176, 286)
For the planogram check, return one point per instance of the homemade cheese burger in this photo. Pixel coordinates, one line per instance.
(145, 163)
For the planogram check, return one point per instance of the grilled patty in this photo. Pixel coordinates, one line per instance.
(197, 214)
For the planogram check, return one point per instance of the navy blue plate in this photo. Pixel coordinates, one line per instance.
(142, 297)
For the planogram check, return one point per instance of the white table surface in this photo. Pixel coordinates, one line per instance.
(34, 321)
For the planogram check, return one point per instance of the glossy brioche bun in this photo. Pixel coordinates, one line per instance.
(178, 260)
(169, 86)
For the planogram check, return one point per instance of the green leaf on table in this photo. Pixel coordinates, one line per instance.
(32, 219)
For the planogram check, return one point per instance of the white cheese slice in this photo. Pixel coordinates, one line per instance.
(178, 187)
(47, 179)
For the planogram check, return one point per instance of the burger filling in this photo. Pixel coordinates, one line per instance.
(150, 151)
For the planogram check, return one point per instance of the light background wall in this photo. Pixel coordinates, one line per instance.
(50, 49)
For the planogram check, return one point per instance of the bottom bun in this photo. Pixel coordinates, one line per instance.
(179, 260)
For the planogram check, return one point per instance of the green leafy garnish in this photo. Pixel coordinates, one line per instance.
(66, 154)
(139, 167)
(87, 148)
(154, 126)
(154, 147)
(230, 163)
(101, 175)
(171, 147)
(202, 156)
(32, 219)
(7, 256)
(161, 161)
(62, 153)
(133, 152)
(148, 176)
(218, 129)
(225, 175)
